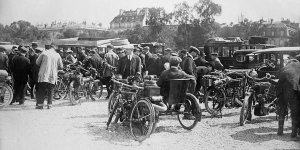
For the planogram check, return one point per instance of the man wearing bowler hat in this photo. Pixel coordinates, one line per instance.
(20, 70)
(129, 65)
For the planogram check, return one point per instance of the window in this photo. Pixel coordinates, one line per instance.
(240, 58)
(273, 33)
(281, 33)
(264, 33)
(226, 52)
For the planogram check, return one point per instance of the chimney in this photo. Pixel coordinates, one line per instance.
(121, 12)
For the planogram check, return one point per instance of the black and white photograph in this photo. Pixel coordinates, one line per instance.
(149, 74)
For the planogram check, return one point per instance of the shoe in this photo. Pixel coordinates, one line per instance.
(39, 107)
(49, 106)
(107, 97)
(21, 103)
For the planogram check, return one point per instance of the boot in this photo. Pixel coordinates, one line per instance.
(280, 125)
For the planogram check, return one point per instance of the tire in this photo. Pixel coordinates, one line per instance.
(142, 118)
(60, 90)
(214, 100)
(96, 90)
(6, 95)
(189, 108)
(245, 113)
(114, 114)
(111, 100)
(73, 94)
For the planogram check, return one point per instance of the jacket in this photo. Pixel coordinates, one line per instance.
(111, 60)
(135, 66)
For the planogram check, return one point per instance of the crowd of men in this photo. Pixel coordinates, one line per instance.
(39, 67)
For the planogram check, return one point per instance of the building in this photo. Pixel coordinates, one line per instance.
(129, 19)
(279, 33)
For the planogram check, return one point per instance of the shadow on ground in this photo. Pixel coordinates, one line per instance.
(261, 134)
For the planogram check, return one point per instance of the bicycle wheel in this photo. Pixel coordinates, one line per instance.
(6, 95)
(114, 114)
(190, 112)
(96, 90)
(142, 120)
(111, 100)
(75, 93)
(245, 113)
(214, 100)
(60, 91)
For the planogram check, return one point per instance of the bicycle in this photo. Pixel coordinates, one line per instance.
(6, 90)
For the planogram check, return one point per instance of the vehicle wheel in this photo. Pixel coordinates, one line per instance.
(114, 114)
(214, 100)
(111, 100)
(190, 112)
(6, 95)
(142, 120)
(245, 113)
(60, 91)
(96, 90)
(74, 93)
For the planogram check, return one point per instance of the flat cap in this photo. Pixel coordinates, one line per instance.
(69, 51)
(168, 49)
(129, 46)
(23, 50)
(109, 46)
(146, 48)
(34, 44)
(194, 49)
(214, 54)
(174, 54)
(175, 60)
(39, 49)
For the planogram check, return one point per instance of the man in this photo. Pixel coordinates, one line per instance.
(94, 61)
(34, 70)
(216, 63)
(172, 73)
(80, 54)
(164, 59)
(50, 62)
(20, 70)
(129, 65)
(120, 52)
(137, 52)
(200, 60)
(151, 62)
(188, 64)
(111, 61)
(70, 58)
(3, 59)
(200, 72)
(11, 55)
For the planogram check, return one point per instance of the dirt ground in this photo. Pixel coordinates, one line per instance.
(83, 127)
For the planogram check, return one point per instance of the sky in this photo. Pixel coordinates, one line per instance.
(46, 11)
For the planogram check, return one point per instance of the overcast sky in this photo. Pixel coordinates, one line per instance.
(46, 11)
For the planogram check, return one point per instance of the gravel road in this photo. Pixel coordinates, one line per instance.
(83, 127)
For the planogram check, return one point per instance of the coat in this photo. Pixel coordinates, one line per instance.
(95, 62)
(200, 61)
(3, 62)
(111, 60)
(20, 68)
(50, 62)
(135, 66)
(34, 68)
(188, 65)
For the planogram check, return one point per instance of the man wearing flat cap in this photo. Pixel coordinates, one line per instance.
(164, 59)
(151, 62)
(172, 73)
(200, 60)
(188, 64)
(215, 61)
(20, 70)
(34, 70)
(129, 65)
(120, 52)
(70, 58)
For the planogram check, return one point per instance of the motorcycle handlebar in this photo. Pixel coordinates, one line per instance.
(126, 85)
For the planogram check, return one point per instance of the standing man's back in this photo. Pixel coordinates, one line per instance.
(49, 62)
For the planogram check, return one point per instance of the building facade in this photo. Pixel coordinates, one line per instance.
(279, 33)
(129, 19)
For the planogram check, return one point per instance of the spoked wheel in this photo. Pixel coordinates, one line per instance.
(100, 89)
(190, 112)
(60, 90)
(96, 90)
(214, 100)
(142, 119)
(246, 110)
(6, 95)
(75, 93)
(111, 100)
(115, 113)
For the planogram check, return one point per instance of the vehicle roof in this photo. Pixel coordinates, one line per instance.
(247, 50)
(278, 50)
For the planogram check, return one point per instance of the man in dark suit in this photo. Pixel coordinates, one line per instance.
(151, 62)
(20, 70)
(129, 65)
(172, 73)
(200, 60)
(95, 61)
(188, 64)
(34, 68)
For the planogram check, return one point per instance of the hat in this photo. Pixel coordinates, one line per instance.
(23, 50)
(183, 51)
(14, 47)
(202, 53)
(174, 54)
(110, 46)
(69, 51)
(52, 45)
(146, 48)
(92, 51)
(39, 49)
(168, 49)
(34, 44)
(175, 60)
(194, 49)
(20, 47)
(2, 49)
(119, 49)
(136, 49)
(214, 54)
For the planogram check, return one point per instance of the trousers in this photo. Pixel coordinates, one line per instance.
(44, 89)
(19, 91)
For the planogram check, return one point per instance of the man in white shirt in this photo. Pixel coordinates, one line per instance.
(50, 62)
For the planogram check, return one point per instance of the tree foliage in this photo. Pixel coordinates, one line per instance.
(21, 32)
(295, 40)
(70, 33)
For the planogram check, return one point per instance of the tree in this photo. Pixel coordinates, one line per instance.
(295, 40)
(70, 33)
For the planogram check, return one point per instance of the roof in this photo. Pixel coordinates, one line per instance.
(278, 50)
(130, 16)
(246, 50)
